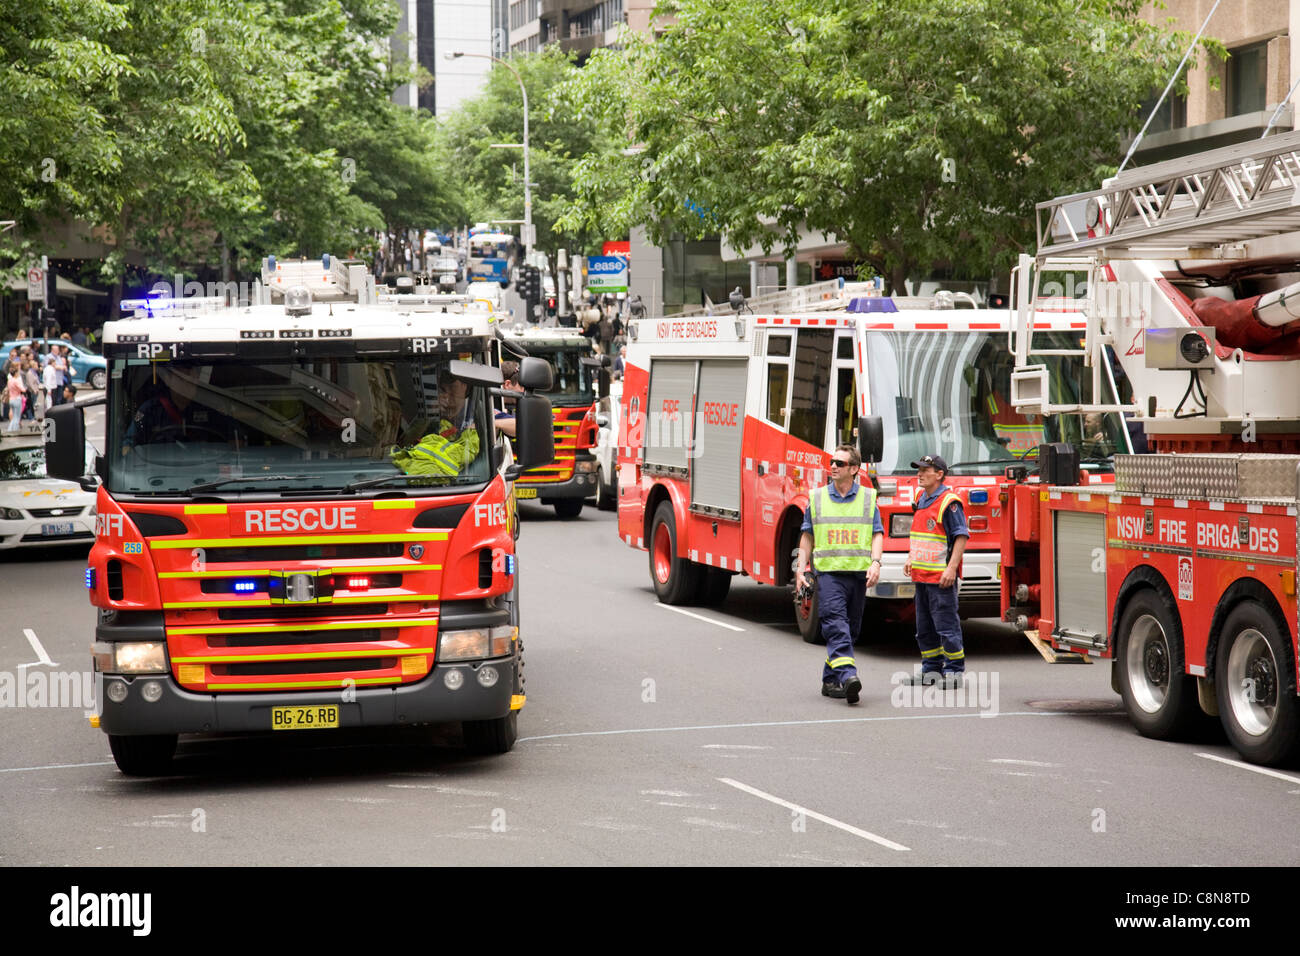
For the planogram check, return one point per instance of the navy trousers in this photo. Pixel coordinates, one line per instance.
(841, 599)
(938, 629)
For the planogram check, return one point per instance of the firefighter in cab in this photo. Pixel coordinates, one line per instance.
(935, 548)
(843, 531)
(453, 444)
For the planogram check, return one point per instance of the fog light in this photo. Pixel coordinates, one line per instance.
(453, 679)
(151, 691)
(117, 691)
(487, 676)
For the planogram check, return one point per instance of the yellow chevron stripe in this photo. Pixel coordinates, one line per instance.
(299, 656)
(263, 542)
(356, 625)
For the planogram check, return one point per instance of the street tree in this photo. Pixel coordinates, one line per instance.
(918, 132)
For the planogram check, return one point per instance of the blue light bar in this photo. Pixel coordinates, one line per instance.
(979, 496)
(243, 587)
(510, 564)
(90, 578)
(872, 303)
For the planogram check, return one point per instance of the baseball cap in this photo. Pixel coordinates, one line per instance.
(931, 461)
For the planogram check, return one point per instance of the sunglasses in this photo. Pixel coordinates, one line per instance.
(836, 463)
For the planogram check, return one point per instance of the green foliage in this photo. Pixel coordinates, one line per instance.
(558, 138)
(189, 130)
(916, 130)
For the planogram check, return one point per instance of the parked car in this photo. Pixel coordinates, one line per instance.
(88, 368)
(37, 510)
(607, 418)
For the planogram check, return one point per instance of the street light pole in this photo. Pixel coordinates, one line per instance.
(529, 237)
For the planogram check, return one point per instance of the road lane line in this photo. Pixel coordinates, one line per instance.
(1251, 767)
(700, 617)
(802, 723)
(847, 828)
(42, 657)
(56, 766)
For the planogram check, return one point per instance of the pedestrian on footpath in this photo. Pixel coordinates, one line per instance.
(15, 394)
(843, 534)
(936, 545)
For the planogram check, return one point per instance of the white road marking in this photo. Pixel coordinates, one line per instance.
(1024, 763)
(799, 723)
(56, 766)
(41, 656)
(666, 793)
(733, 747)
(847, 828)
(700, 617)
(1252, 768)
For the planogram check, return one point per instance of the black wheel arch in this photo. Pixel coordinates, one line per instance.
(1240, 591)
(1143, 576)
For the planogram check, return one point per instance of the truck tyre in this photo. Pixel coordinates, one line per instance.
(568, 508)
(606, 494)
(805, 614)
(676, 580)
(1254, 679)
(714, 585)
(491, 736)
(1158, 695)
(143, 756)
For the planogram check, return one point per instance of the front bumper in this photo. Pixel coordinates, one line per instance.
(428, 701)
(980, 593)
(26, 532)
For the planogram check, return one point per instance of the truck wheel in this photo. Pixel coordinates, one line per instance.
(714, 585)
(1159, 697)
(567, 508)
(1255, 685)
(143, 756)
(606, 494)
(676, 580)
(491, 736)
(805, 614)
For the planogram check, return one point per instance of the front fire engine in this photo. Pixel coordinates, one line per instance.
(306, 519)
(579, 381)
(1184, 574)
(727, 421)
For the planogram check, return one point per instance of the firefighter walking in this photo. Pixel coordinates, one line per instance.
(936, 545)
(843, 532)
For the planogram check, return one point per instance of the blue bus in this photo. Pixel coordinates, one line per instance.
(493, 257)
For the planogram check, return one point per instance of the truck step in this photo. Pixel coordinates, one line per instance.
(1053, 656)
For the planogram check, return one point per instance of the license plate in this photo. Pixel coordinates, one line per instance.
(53, 529)
(525, 492)
(314, 717)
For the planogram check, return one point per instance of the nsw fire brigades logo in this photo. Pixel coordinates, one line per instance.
(929, 524)
(1184, 579)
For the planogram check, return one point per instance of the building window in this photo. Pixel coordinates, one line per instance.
(1171, 115)
(1247, 90)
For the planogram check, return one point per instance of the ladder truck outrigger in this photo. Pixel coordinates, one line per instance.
(305, 517)
(1184, 574)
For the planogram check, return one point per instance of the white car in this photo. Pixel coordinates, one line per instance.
(484, 294)
(36, 510)
(607, 413)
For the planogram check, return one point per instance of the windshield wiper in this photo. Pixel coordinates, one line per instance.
(384, 479)
(994, 461)
(214, 485)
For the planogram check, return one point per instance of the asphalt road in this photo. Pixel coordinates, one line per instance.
(650, 736)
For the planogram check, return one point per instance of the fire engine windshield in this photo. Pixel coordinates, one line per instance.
(949, 393)
(574, 382)
(294, 424)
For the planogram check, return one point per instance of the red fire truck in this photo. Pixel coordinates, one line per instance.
(305, 518)
(727, 421)
(1183, 574)
(573, 475)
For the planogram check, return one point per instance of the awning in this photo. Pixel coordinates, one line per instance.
(62, 287)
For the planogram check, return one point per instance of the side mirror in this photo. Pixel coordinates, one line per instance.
(871, 438)
(65, 445)
(536, 374)
(534, 430)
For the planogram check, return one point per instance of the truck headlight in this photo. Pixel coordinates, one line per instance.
(476, 643)
(586, 466)
(900, 525)
(143, 657)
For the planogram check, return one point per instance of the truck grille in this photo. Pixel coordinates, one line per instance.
(280, 669)
(303, 552)
(291, 613)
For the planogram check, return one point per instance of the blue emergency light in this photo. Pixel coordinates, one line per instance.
(90, 578)
(872, 303)
(244, 587)
(979, 496)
